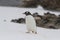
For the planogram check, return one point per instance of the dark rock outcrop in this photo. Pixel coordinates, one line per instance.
(50, 4)
(46, 4)
(48, 20)
(30, 3)
(19, 20)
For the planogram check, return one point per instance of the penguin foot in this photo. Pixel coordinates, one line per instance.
(34, 32)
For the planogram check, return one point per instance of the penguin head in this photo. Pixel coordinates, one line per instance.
(27, 13)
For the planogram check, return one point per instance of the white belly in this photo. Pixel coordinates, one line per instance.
(30, 23)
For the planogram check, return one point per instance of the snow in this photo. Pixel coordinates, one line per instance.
(14, 31)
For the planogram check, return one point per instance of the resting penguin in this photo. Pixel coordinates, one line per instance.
(30, 23)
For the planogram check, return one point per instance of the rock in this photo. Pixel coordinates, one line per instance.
(46, 4)
(4, 20)
(30, 3)
(58, 20)
(35, 14)
(48, 20)
(51, 26)
(14, 20)
(50, 4)
(20, 20)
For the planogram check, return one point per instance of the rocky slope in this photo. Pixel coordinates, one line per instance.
(47, 4)
(50, 4)
(48, 20)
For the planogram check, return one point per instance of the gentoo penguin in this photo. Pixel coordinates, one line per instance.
(30, 23)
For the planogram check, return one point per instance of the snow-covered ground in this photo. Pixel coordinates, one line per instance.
(14, 31)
